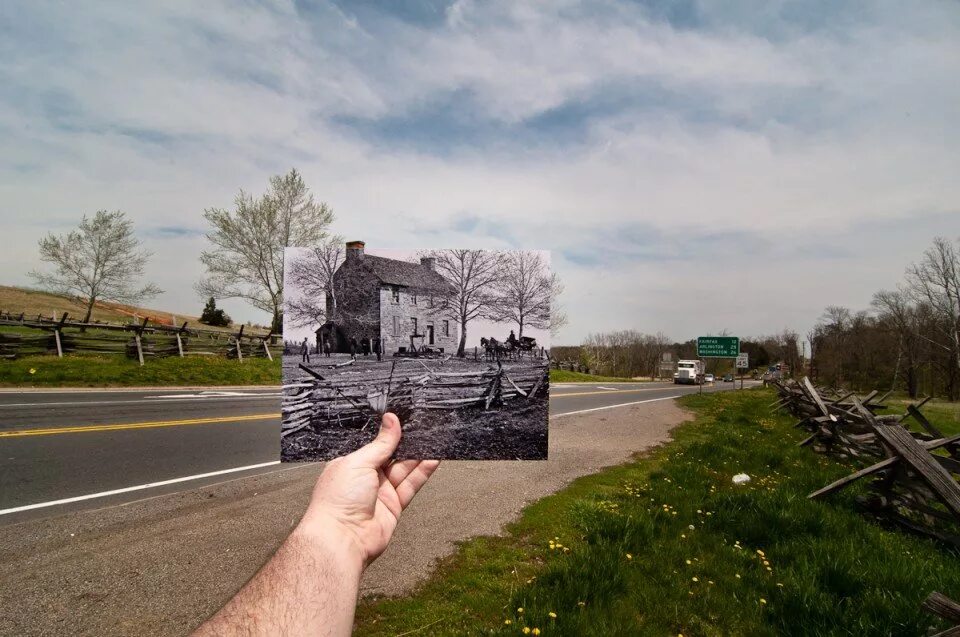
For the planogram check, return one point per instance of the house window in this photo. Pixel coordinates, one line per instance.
(413, 298)
(430, 301)
(413, 324)
(396, 326)
(396, 294)
(446, 328)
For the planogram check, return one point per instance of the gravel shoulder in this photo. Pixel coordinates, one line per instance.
(160, 566)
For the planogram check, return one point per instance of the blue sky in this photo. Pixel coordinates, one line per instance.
(691, 167)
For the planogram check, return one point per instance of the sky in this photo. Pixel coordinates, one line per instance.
(692, 166)
(476, 329)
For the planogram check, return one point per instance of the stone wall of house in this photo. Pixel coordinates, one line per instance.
(358, 300)
(396, 322)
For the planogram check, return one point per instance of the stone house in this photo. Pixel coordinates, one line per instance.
(395, 300)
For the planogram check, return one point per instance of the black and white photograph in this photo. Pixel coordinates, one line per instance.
(455, 342)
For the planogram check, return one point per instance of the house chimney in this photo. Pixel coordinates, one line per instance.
(355, 250)
(427, 262)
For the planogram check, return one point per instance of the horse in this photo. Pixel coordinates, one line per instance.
(491, 348)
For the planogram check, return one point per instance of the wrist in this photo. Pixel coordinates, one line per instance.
(326, 537)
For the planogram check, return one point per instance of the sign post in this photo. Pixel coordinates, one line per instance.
(718, 347)
(743, 363)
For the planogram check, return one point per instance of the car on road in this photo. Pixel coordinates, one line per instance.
(728, 378)
(708, 378)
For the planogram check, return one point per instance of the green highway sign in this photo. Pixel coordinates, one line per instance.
(718, 346)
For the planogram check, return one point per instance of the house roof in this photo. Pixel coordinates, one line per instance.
(404, 273)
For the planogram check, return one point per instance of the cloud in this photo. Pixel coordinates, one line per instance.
(684, 163)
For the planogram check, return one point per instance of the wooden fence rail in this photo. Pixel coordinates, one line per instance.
(39, 335)
(914, 472)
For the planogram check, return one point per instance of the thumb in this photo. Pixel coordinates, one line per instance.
(376, 453)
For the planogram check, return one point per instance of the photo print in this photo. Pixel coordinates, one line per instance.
(455, 342)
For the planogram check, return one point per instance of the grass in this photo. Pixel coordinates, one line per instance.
(668, 545)
(564, 376)
(115, 370)
(944, 414)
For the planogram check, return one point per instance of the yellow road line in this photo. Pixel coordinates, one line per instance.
(14, 433)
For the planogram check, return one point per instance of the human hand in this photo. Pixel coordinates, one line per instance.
(360, 496)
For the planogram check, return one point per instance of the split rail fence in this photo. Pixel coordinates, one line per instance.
(41, 335)
(914, 471)
(355, 400)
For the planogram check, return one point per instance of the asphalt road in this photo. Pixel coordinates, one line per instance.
(64, 450)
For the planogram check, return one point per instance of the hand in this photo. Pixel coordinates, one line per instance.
(362, 495)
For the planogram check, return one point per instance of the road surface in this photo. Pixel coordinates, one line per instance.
(63, 450)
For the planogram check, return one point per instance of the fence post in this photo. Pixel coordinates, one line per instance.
(179, 340)
(136, 338)
(266, 348)
(56, 335)
(240, 349)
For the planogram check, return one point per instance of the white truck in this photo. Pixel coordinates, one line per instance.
(688, 373)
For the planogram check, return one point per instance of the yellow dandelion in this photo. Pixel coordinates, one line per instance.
(780, 584)
(629, 556)
(695, 579)
(520, 610)
(689, 562)
(710, 581)
(535, 631)
(508, 621)
(33, 371)
(581, 604)
(526, 630)
(763, 601)
(737, 575)
(552, 615)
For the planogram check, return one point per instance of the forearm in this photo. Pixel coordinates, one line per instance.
(309, 587)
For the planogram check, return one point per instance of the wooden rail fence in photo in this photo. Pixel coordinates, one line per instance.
(357, 399)
(40, 335)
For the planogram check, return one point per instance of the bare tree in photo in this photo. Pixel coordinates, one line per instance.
(474, 275)
(524, 292)
(558, 314)
(311, 275)
(246, 261)
(101, 260)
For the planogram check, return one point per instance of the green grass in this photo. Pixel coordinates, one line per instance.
(564, 376)
(943, 414)
(619, 565)
(115, 370)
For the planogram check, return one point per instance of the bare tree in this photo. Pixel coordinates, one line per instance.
(98, 261)
(524, 292)
(311, 275)
(936, 281)
(895, 309)
(247, 259)
(474, 276)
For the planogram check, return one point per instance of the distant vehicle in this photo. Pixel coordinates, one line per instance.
(688, 373)
(709, 378)
(728, 378)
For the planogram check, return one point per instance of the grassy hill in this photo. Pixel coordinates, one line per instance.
(32, 302)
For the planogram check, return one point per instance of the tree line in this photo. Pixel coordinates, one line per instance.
(631, 353)
(909, 339)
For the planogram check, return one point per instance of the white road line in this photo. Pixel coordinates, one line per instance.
(608, 388)
(139, 487)
(636, 402)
